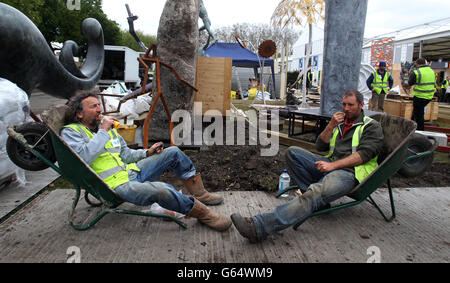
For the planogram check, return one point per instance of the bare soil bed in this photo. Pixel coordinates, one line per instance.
(242, 168)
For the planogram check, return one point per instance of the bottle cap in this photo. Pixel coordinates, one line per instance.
(285, 171)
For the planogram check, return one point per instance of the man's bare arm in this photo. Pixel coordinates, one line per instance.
(327, 134)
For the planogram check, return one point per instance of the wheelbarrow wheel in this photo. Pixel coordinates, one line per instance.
(416, 167)
(33, 132)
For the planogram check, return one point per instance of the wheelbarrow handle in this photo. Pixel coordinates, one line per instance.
(21, 139)
(425, 153)
(15, 135)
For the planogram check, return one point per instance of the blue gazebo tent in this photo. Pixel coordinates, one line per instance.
(242, 57)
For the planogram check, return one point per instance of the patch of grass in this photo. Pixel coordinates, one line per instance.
(61, 184)
(442, 124)
(244, 107)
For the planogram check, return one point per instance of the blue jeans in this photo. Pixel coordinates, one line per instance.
(143, 191)
(322, 188)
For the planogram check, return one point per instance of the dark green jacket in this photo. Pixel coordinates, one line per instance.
(369, 147)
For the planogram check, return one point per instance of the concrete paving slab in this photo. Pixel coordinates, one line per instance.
(14, 195)
(40, 233)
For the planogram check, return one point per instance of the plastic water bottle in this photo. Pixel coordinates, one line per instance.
(284, 182)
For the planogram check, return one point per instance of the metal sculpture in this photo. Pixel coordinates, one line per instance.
(27, 60)
(158, 95)
(203, 14)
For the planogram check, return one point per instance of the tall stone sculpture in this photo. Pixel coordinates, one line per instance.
(344, 32)
(178, 47)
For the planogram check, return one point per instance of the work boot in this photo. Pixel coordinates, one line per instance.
(195, 187)
(208, 217)
(246, 227)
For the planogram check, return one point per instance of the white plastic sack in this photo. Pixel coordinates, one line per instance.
(142, 104)
(129, 109)
(116, 88)
(395, 89)
(132, 108)
(260, 97)
(14, 110)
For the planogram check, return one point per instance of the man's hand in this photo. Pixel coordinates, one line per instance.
(348, 162)
(337, 118)
(157, 148)
(324, 166)
(107, 123)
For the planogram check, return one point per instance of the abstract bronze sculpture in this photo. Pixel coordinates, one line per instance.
(27, 60)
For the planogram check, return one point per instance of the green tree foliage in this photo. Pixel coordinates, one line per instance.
(58, 23)
(129, 41)
(31, 8)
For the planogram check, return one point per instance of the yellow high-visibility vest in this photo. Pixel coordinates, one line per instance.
(108, 165)
(425, 83)
(364, 170)
(380, 84)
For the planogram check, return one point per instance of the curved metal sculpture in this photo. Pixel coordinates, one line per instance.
(27, 60)
(203, 14)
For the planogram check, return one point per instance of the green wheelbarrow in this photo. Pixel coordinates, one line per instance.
(395, 154)
(76, 171)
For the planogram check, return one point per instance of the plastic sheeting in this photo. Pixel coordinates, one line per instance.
(132, 108)
(14, 110)
(364, 73)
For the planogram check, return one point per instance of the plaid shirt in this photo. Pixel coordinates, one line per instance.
(348, 124)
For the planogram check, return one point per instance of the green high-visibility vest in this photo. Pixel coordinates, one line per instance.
(380, 84)
(364, 170)
(108, 165)
(425, 83)
(445, 84)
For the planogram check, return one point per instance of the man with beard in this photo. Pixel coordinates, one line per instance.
(132, 173)
(354, 142)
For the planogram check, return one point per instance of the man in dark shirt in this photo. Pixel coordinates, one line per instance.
(379, 83)
(323, 179)
(424, 80)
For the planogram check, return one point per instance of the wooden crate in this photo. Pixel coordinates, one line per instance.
(444, 113)
(396, 70)
(432, 111)
(214, 84)
(404, 108)
(397, 107)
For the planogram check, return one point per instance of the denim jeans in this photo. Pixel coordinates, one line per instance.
(319, 189)
(378, 102)
(143, 191)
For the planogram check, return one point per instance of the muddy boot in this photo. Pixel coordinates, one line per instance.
(208, 217)
(246, 227)
(195, 187)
